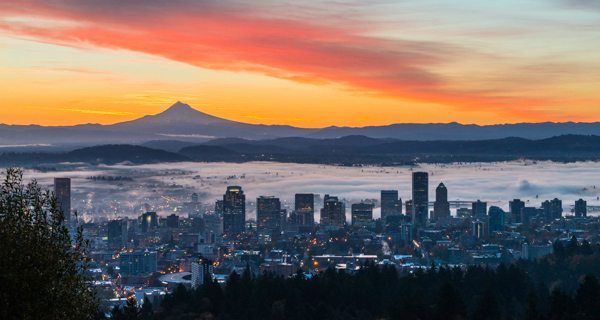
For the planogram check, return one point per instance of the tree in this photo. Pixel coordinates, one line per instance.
(487, 307)
(587, 298)
(41, 268)
(449, 304)
(147, 312)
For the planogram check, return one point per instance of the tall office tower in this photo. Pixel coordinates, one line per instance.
(117, 233)
(201, 272)
(219, 207)
(497, 218)
(195, 198)
(515, 210)
(478, 229)
(268, 214)
(149, 222)
(333, 212)
(138, 262)
(552, 209)
(556, 208)
(234, 210)
(479, 209)
(362, 214)
(62, 190)
(409, 208)
(173, 221)
(527, 213)
(581, 208)
(391, 204)
(420, 197)
(441, 206)
(305, 209)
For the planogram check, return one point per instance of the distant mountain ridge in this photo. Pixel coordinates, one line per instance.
(184, 123)
(350, 150)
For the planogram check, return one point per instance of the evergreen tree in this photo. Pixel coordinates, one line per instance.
(41, 268)
(131, 311)
(561, 306)
(147, 312)
(588, 298)
(487, 307)
(532, 312)
(449, 303)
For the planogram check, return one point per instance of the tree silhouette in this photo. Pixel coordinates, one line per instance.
(41, 268)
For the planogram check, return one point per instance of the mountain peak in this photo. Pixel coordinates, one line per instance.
(180, 107)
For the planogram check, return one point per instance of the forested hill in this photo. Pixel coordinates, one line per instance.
(561, 286)
(350, 150)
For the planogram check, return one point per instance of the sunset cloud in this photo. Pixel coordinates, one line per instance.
(340, 49)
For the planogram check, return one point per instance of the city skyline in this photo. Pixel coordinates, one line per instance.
(309, 65)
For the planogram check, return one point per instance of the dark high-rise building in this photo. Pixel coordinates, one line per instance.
(391, 204)
(441, 206)
(581, 208)
(149, 221)
(195, 198)
(362, 213)
(497, 219)
(62, 190)
(409, 208)
(516, 206)
(528, 213)
(268, 214)
(479, 209)
(138, 262)
(219, 207)
(117, 233)
(333, 212)
(234, 210)
(556, 208)
(173, 221)
(305, 209)
(420, 198)
(478, 229)
(552, 209)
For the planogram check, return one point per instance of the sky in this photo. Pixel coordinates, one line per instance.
(302, 63)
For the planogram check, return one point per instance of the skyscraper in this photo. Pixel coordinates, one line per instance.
(268, 214)
(149, 222)
(557, 208)
(441, 207)
(305, 209)
(234, 210)
(581, 208)
(62, 190)
(515, 210)
(497, 218)
(391, 204)
(173, 221)
(420, 197)
(362, 214)
(117, 233)
(333, 212)
(552, 209)
(479, 209)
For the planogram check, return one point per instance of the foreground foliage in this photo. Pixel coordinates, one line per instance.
(41, 270)
(562, 286)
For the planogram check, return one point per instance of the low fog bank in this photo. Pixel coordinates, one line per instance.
(125, 190)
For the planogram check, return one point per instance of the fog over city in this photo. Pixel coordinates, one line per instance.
(162, 187)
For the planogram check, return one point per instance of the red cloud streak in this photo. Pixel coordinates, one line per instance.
(232, 38)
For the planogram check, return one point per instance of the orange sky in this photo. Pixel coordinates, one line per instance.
(312, 65)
